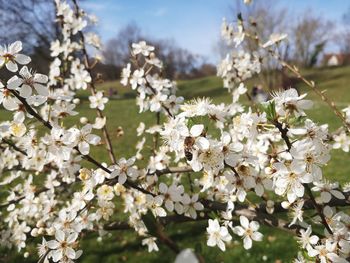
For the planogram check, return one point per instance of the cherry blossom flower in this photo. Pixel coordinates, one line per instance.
(155, 203)
(142, 48)
(17, 128)
(98, 101)
(105, 192)
(218, 235)
(249, 231)
(274, 39)
(137, 78)
(125, 75)
(289, 101)
(123, 169)
(191, 205)
(327, 189)
(62, 246)
(9, 56)
(28, 82)
(342, 141)
(307, 240)
(83, 138)
(289, 179)
(171, 195)
(150, 242)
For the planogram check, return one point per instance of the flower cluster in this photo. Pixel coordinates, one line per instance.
(201, 161)
(154, 93)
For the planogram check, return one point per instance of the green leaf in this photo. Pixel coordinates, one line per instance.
(270, 110)
(151, 223)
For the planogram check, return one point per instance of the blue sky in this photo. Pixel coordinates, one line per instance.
(193, 24)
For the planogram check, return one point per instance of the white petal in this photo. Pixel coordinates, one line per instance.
(72, 237)
(59, 235)
(211, 241)
(24, 72)
(57, 254)
(70, 253)
(25, 91)
(22, 59)
(122, 178)
(163, 188)
(247, 242)
(53, 244)
(221, 245)
(238, 230)
(254, 225)
(14, 82)
(84, 148)
(169, 205)
(41, 89)
(93, 139)
(202, 143)
(15, 47)
(196, 130)
(338, 194)
(257, 236)
(41, 78)
(10, 104)
(244, 221)
(11, 66)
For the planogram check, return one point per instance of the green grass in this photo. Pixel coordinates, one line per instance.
(125, 246)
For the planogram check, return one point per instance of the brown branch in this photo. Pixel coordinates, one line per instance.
(11, 144)
(312, 85)
(296, 72)
(318, 208)
(41, 190)
(284, 135)
(134, 61)
(255, 214)
(156, 135)
(90, 159)
(170, 170)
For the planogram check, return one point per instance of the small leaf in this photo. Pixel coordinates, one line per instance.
(151, 223)
(270, 110)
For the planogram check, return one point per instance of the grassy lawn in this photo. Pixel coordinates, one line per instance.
(125, 246)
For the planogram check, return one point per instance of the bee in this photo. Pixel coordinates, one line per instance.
(188, 145)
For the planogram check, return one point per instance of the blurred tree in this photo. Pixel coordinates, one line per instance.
(343, 38)
(309, 34)
(32, 22)
(117, 50)
(316, 53)
(179, 62)
(267, 18)
(28, 21)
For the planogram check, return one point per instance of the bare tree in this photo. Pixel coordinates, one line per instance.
(179, 62)
(311, 34)
(117, 50)
(267, 18)
(27, 20)
(32, 22)
(343, 37)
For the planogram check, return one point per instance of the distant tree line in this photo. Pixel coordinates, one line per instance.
(28, 21)
(180, 63)
(309, 35)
